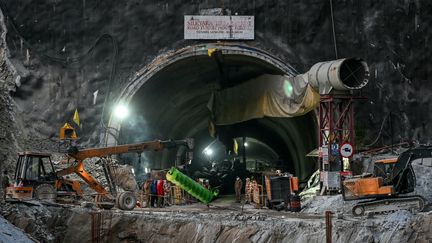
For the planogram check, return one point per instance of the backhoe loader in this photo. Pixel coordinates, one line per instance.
(35, 177)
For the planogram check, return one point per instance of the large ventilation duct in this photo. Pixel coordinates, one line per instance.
(338, 75)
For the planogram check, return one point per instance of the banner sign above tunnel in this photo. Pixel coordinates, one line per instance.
(198, 27)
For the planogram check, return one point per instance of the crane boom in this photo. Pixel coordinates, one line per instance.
(80, 155)
(129, 148)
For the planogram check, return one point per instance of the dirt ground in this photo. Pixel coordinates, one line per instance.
(223, 221)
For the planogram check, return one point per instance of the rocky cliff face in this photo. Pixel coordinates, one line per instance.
(8, 128)
(66, 51)
(53, 224)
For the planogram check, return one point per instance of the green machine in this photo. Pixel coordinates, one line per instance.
(192, 187)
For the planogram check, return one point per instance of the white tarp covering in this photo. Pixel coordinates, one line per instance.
(197, 27)
(266, 95)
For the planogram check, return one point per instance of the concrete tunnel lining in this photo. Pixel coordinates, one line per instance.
(242, 51)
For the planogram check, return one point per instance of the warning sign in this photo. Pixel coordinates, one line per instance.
(346, 150)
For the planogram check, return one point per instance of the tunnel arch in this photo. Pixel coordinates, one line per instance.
(233, 52)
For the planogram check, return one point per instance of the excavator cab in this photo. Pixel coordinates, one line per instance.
(384, 168)
(35, 178)
(33, 169)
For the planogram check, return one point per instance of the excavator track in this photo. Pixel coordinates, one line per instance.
(414, 203)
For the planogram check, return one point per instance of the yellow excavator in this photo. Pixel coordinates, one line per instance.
(36, 178)
(384, 190)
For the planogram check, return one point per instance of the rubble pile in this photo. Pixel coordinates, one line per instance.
(10, 233)
(75, 224)
(31, 219)
(320, 204)
(423, 174)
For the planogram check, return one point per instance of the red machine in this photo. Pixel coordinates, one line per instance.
(280, 190)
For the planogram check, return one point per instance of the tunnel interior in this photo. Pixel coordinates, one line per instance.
(173, 104)
(353, 73)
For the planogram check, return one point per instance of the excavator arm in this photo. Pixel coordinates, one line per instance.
(78, 169)
(155, 145)
(80, 155)
(403, 176)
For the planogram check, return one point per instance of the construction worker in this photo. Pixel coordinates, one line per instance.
(248, 190)
(160, 193)
(254, 188)
(167, 193)
(238, 186)
(5, 183)
(153, 193)
(146, 194)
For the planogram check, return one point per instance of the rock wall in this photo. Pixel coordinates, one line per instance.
(9, 129)
(53, 224)
(66, 51)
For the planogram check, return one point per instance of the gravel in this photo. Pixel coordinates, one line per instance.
(10, 233)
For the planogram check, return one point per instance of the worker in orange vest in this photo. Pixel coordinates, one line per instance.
(248, 191)
(146, 194)
(237, 187)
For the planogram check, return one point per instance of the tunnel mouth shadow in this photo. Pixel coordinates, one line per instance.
(170, 95)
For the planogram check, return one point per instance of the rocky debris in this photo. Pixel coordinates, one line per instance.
(423, 180)
(397, 220)
(31, 219)
(320, 204)
(75, 224)
(10, 233)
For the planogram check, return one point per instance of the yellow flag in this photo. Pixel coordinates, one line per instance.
(235, 147)
(76, 118)
(211, 51)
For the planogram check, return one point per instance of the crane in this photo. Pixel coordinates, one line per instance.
(36, 178)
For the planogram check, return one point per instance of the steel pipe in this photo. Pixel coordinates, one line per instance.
(340, 75)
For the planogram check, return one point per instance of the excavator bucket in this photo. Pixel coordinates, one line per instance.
(192, 187)
(67, 132)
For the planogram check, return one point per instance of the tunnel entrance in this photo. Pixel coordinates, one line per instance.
(168, 99)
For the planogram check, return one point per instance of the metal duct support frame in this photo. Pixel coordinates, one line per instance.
(339, 75)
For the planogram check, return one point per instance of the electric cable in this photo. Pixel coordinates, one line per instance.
(333, 28)
(380, 132)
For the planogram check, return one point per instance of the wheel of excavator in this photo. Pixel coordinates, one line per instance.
(126, 200)
(103, 203)
(358, 210)
(45, 192)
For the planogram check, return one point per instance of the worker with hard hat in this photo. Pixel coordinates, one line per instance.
(237, 187)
